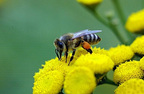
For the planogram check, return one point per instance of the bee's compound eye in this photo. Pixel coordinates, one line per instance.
(60, 44)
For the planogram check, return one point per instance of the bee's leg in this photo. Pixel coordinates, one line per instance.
(57, 54)
(66, 54)
(89, 50)
(73, 53)
(86, 46)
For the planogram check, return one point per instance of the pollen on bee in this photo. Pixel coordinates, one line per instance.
(86, 45)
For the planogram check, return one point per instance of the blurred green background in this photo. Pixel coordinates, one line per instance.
(29, 27)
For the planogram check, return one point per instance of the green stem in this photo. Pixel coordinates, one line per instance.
(137, 57)
(99, 17)
(123, 20)
(61, 92)
(111, 26)
(105, 80)
(120, 13)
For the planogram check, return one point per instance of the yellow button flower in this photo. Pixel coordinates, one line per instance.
(126, 71)
(80, 80)
(135, 22)
(98, 63)
(138, 45)
(132, 86)
(120, 54)
(142, 59)
(89, 2)
(55, 64)
(142, 63)
(49, 83)
(50, 65)
(80, 51)
(99, 51)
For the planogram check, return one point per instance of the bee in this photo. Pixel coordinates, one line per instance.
(71, 41)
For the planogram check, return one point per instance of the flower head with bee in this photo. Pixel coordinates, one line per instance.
(83, 70)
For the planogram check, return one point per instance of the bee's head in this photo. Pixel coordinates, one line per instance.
(59, 45)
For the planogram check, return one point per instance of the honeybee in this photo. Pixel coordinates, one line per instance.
(71, 41)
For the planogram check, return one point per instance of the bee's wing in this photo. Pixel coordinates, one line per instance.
(84, 32)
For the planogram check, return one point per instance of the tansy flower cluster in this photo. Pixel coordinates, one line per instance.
(87, 71)
(78, 78)
(81, 76)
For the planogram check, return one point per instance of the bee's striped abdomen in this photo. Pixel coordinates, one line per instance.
(91, 38)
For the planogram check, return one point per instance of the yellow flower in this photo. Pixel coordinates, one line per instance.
(49, 83)
(98, 63)
(80, 80)
(142, 63)
(132, 86)
(120, 54)
(53, 64)
(142, 59)
(138, 45)
(126, 71)
(89, 2)
(80, 51)
(99, 51)
(135, 22)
